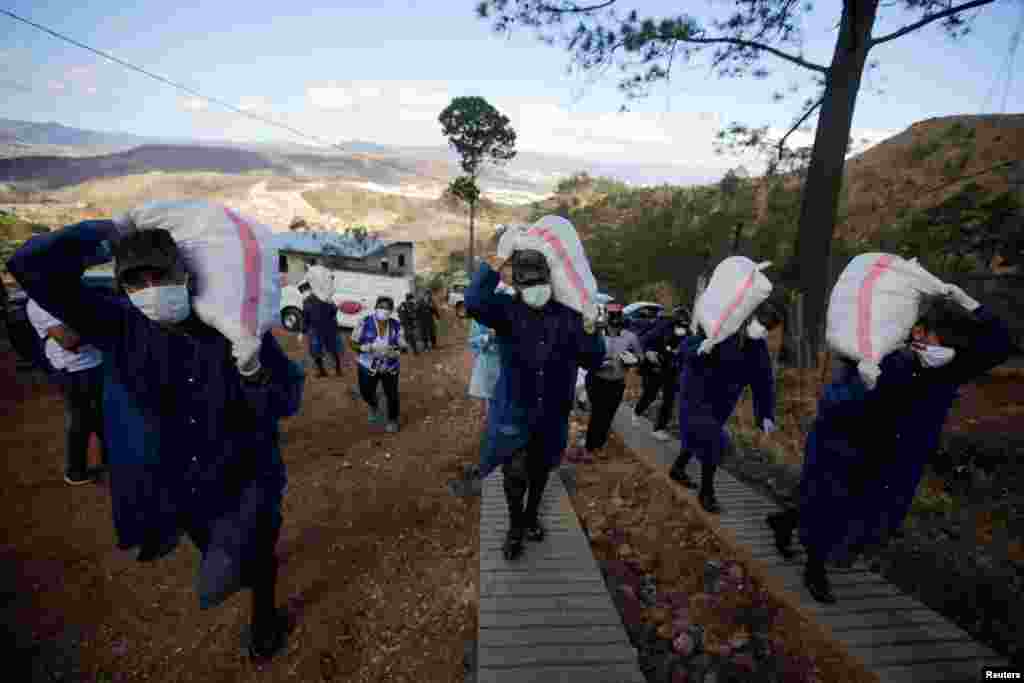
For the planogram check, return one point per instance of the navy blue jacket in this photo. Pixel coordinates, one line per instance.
(711, 386)
(541, 352)
(661, 339)
(891, 432)
(319, 317)
(185, 435)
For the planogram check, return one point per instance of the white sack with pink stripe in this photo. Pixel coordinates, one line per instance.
(572, 281)
(232, 262)
(874, 306)
(736, 289)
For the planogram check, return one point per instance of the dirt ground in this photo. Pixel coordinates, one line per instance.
(379, 561)
(632, 514)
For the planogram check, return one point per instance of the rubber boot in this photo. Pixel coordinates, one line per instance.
(707, 489)
(816, 581)
(783, 524)
(678, 471)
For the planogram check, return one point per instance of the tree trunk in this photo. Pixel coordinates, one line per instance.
(820, 202)
(469, 252)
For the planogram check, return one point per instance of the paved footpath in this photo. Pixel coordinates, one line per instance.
(547, 616)
(895, 636)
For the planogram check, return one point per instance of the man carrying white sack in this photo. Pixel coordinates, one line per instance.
(866, 452)
(543, 343)
(192, 444)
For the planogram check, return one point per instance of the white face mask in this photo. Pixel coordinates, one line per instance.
(680, 331)
(164, 304)
(756, 330)
(382, 314)
(537, 296)
(934, 356)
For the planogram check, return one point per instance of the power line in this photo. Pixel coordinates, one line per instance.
(171, 83)
(215, 100)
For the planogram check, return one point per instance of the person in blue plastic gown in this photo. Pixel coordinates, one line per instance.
(192, 444)
(378, 340)
(661, 344)
(711, 386)
(866, 452)
(542, 344)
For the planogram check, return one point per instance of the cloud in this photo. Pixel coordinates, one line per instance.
(255, 103)
(404, 113)
(330, 97)
(8, 84)
(192, 104)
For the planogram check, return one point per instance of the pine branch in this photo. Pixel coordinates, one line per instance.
(799, 122)
(927, 20)
(767, 48)
(575, 9)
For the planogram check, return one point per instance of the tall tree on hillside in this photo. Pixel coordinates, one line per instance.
(646, 50)
(481, 135)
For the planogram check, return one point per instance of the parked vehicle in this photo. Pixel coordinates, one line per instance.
(355, 293)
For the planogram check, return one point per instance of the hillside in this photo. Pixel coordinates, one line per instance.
(919, 168)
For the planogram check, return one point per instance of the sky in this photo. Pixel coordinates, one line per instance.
(382, 71)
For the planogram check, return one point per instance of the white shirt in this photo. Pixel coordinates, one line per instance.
(60, 358)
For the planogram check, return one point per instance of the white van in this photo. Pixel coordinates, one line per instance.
(355, 293)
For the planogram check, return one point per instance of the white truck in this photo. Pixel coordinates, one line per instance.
(355, 293)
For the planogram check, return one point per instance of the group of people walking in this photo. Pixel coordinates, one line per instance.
(193, 441)
(865, 454)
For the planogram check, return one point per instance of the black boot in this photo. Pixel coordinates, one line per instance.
(783, 524)
(513, 547)
(516, 485)
(707, 489)
(678, 471)
(816, 580)
(320, 367)
(531, 516)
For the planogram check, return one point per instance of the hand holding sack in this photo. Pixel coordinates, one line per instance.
(572, 282)
(736, 289)
(874, 306)
(233, 263)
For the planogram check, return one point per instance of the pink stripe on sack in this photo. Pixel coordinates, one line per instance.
(563, 255)
(253, 267)
(867, 289)
(747, 284)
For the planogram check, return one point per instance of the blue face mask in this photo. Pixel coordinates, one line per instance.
(536, 296)
(163, 304)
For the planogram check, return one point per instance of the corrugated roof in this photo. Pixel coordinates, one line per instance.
(329, 243)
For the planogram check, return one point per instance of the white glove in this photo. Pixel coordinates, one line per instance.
(768, 426)
(962, 298)
(366, 348)
(628, 358)
(652, 357)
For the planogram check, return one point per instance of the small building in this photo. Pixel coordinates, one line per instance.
(370, 254)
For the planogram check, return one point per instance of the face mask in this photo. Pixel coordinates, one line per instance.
(382, 314)
(934, 356)
(164, 304)
(537, 296)
(680, 331)
(756, 330)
